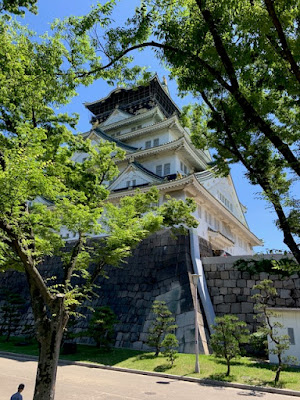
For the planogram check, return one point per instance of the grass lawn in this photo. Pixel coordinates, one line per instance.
(243, 370)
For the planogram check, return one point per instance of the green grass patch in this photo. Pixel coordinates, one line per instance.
(244, 370)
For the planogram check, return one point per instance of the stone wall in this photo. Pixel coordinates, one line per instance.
(231, 290)
(159, 269)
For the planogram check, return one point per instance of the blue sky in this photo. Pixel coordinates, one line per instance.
(259, 215)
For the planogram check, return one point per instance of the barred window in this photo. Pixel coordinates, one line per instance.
(167, 169)
(159, 170)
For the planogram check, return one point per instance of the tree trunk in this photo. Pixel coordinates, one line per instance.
(49, 348)
(278, 370)
(228, 368)
(49, 335)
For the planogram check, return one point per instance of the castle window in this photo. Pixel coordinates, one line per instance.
(148, 144)
(156, 142)
(199, 211)
(159, 170)
(183, 167)
(209, 219)
(167, 169)
(128, 183)
(290, 332)
(134, 182)
(225, 201)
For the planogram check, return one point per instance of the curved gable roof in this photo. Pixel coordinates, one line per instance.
(120, 144)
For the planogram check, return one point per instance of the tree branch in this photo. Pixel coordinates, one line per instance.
(28, 262)
(265, 185)
(285, 48)
(167, 47)
(208, 18)
(96, 272)
(69, 268)
(249, 111)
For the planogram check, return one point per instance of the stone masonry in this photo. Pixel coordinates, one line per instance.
(159, 269)
(232, 290)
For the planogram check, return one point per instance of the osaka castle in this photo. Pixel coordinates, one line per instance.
(144, 121)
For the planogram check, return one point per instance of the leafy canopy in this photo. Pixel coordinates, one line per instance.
(240, 60)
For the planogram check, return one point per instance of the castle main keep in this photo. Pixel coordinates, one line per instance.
(145, 122)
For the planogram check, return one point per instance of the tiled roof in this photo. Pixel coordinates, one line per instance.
(124, 146)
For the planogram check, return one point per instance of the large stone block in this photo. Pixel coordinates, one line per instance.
(223, 308)
(230, 283)
(278, 284)
(242, 317)
(263, 275)
(234, 274)
(235, 308)
(241, 298)
(214, 291)
(230, 298)
(250, 318)
(210, 282)
(218, 299)
(223, 290)
(297, 283)
(247, 307)
(288, 284)
(224, 275)
(246, 275)
(250, 283)
(284, 293)
(241, 283)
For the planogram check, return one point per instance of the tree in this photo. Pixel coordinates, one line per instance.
(229, 334)
(170, 343)
(39, 75)
(270, 327)
(163, 323)
(101, 326)
(16, 6)
(243, 60)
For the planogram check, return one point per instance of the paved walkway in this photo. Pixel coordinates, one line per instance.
(82, 383)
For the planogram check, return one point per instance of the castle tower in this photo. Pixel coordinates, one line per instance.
(144, 121)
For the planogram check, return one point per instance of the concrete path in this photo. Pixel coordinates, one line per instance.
(82, 383)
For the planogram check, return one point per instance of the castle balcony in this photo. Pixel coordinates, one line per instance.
(218, 240)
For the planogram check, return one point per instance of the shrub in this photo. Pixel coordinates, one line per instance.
(101, 326)
(163, 323)
(170, 343)
(229, 334)
(270, 327)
